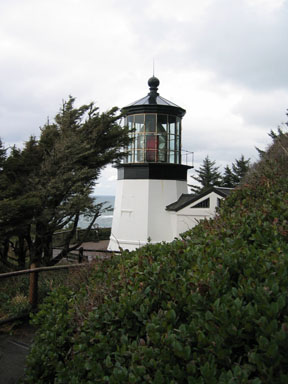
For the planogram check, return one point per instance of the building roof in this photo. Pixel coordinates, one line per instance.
(188, 198)
(159, 100)
(153, 103)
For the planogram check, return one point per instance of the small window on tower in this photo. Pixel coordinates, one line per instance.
(202, 204)
(139, 123)
(150, 123)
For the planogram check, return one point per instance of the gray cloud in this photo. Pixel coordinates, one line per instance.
(224, 62)
(242, 46)
(239, 43)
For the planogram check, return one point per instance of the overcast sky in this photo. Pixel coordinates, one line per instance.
(223, 61)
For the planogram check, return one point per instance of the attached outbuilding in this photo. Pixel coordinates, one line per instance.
(190, 209)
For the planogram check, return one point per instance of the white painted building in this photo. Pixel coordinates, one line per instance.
(189, 209)
(151, 192)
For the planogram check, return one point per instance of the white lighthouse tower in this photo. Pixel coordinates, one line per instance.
(152, 176)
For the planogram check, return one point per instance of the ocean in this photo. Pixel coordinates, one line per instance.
(105, 220)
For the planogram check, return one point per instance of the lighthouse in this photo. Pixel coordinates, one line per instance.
(152, 176)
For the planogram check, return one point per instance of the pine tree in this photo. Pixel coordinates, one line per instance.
(239, 169)
(228, 178)
(207, 175)
(3, 188)
(3, 151)
(50, 181)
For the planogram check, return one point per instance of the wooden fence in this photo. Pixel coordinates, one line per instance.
(78, 254)
(34, 274)
(95, 234)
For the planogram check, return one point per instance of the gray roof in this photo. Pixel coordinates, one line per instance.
(153, 103)
(188, 198)
(148, 100)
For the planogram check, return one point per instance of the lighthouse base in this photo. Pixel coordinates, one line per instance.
(140, 214)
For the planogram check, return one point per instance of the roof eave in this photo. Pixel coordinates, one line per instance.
(195, 198)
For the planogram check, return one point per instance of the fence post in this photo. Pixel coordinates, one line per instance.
(80, 256)
(33, 288)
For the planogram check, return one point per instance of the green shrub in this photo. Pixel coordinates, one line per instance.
(14, 297)
(14, 292)
(211, 307)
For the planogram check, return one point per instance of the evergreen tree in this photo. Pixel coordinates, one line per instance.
(49, 182)
(3, 188)
(240, 168)
(207, 175)
(228, 178)
(2, 155)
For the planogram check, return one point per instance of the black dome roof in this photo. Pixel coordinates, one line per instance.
(153, 103)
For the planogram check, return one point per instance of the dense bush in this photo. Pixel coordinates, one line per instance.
(14, 292)
(210, 307)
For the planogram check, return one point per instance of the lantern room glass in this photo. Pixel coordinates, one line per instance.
(156, 138)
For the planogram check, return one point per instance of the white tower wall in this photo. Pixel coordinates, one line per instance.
(140, 212)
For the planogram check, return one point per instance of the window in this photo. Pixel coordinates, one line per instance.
(150, 123)
(202, 204)
(139, 123)
(156, 138)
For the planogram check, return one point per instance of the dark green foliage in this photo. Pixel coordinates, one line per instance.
(228, 178)
(232, 177)
(95, 235)
(240, 168)
(273, 161)
(104, 233)
(2, 155)
(211, 307)
(48, 184)
(14, 292)
(207, 175)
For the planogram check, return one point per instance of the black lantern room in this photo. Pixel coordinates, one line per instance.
(157, 128)
(155, 125)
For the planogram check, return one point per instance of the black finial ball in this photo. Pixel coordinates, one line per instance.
(153, 82)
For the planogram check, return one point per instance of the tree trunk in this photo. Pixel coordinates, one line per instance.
(66, 249)
(36, 250)
(48, 250)
(21, 252)
(4, 251)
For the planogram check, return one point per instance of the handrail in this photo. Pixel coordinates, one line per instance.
(41, 269)
(34, 271)
(188, 156)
